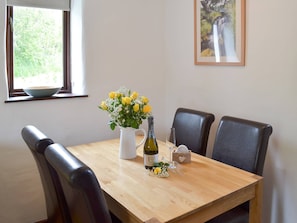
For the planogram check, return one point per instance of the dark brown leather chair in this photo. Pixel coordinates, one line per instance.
(192, 129)
(241, 143)
(82, 190)
(57, 211)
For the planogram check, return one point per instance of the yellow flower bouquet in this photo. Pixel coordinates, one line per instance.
(126, 108)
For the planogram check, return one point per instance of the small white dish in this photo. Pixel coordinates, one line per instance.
(41, 91)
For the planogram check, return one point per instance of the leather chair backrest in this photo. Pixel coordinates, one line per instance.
(192, 129)
(242, 143)
(55, 202)
(82, 190)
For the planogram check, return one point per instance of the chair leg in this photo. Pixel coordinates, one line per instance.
(42, 221)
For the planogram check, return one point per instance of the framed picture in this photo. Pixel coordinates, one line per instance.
(219, 32)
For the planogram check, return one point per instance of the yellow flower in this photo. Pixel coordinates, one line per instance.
(103, 105)
(136, 107)
(147, 109)
(112, 94)
(134, 95)
(157, 170)
(123, 100)
(126, 100)
(144, 99)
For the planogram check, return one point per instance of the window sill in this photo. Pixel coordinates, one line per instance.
(56, 96)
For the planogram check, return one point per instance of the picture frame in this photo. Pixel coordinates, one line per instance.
(219, 32)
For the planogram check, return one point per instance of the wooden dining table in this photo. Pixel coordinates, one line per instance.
(193, 192)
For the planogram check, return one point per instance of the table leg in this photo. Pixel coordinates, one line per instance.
(256, 204)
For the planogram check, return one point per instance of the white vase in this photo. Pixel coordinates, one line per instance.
(128, 144)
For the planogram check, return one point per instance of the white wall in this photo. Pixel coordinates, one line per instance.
(139, 44)
(123, 45)
(264, 90)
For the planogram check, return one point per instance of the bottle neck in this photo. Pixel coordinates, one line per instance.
(151, 133)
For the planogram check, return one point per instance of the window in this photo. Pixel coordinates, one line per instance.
(38, 48)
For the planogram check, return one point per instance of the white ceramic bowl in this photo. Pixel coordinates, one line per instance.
(41, 91)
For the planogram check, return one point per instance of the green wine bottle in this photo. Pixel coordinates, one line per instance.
(150, 148)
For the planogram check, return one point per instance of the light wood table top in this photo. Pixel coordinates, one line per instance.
(196, 192)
